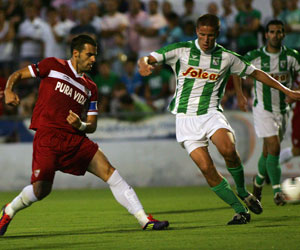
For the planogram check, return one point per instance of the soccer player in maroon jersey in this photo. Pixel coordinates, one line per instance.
(66, 95)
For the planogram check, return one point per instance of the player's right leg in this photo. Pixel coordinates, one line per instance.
(123, 193)
(219, 184)
(273, 167)
(259, 179)
(29, 194)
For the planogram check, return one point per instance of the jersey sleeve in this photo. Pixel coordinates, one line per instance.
(93, 105)
(42, 68)
(240, 66)
(168, 54)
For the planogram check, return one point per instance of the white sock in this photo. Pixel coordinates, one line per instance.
(127, 197)
(23, 200)
(285, 155)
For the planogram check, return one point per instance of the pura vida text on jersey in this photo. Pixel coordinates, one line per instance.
(67, 90)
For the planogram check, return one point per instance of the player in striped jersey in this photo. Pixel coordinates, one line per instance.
(60, 142)
(202, 68)
(270, 109)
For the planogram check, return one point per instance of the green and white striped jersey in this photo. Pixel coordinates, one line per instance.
(201, 77)
(282, 66)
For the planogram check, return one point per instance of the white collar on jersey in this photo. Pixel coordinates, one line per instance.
(270, 54)
(74, 70)
(204, 52)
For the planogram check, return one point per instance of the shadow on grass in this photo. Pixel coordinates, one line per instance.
(277, 219)
(192, 210)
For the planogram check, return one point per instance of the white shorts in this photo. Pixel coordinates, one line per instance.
(194, 131)
(268, 124)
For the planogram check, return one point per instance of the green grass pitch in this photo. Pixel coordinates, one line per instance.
(92, 219)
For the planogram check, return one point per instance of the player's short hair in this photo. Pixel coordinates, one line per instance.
(78, 42)
(274, 22)
(209, 20)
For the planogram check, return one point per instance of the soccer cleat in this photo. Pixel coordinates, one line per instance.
(252, 203)
(153, 224)
(240, 218)
(256, 190)
(4, 221)
(279, 199)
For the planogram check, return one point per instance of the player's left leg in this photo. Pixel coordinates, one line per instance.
(29, 195)
(124, 194)
(225, 143)
(273, 167)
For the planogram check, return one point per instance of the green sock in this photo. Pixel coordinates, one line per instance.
(274, 172)
(262, 170)
(224, 191)
(239, 179)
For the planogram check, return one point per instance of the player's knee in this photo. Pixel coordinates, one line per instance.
(108, 172)
(229, 151)
(41, 191)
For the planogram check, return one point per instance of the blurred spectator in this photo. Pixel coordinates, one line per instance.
(54, 42)
(14, 12)
(7, 34)
(167, 8)
(172, 33)
(105, 80)
(119, 54)
(59, 3)
(291, 19)
(247, 24)
(131, 78)
(228, 16)
(157, 88)
(118, 91)
(189, 12)
(84, 26)
(189, 31)
(31, 32)
(149, 30)
(63, 27)
(136, 17)
(40, 8)
(113, 22)
(133, 110)
(277, 9)
(96, 20)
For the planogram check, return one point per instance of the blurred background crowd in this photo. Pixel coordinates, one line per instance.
(125, 30)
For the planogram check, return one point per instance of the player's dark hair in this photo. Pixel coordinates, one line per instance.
(274, 22)
(78, 42)
(209, 20)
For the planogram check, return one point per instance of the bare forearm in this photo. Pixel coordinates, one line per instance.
(237, 83)
(15, 77)
(269, 81)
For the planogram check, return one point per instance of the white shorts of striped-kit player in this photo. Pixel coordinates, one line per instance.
(195, 131)
(268, 124)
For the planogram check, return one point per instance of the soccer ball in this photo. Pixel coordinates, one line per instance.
(291, 189)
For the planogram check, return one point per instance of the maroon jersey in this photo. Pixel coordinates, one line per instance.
(61, 89)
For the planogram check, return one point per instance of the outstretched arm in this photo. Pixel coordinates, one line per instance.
(271, 82)
(145, 65)
(12, 98)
